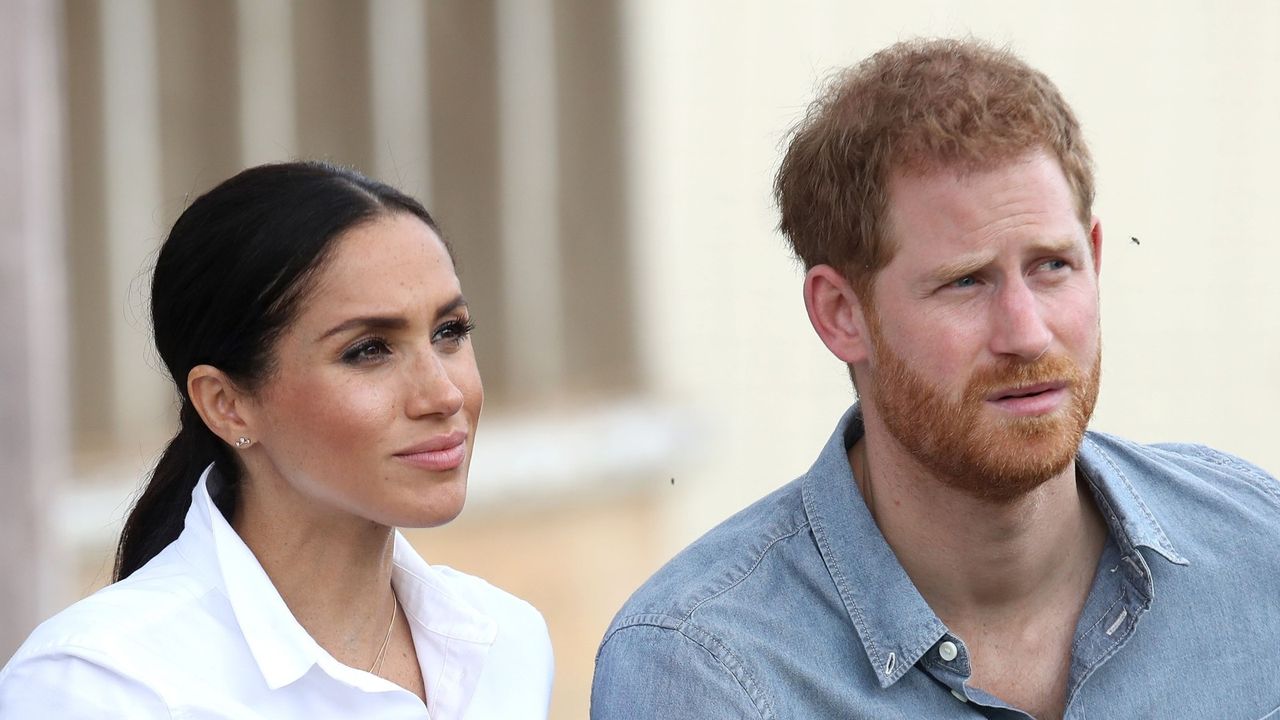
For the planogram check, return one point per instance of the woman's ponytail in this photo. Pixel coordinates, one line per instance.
(157, 518)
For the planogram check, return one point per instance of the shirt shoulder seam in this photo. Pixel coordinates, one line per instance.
(754, 565)
(1225, 460)
(710, 643)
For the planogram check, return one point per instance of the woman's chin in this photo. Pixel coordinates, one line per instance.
(442, 506)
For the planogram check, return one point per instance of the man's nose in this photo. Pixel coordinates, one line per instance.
(1018, 326)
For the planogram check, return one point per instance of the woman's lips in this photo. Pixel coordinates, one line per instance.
(443, 452)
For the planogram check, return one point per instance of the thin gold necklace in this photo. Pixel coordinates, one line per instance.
(377, 662)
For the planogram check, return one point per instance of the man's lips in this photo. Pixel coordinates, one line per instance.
(1030, 400)
(441, 452)
(1026, 391)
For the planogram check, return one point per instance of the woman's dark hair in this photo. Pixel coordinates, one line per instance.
(227, 284)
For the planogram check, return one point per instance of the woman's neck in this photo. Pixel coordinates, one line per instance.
(332, 570)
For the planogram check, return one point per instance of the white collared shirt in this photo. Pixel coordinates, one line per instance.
(200, 632)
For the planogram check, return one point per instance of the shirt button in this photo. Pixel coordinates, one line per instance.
(947, 651)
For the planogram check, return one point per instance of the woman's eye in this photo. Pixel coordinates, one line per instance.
(366, 351)
(454, 332)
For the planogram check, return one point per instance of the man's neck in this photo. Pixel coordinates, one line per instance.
(975, 561)
(1009, 579)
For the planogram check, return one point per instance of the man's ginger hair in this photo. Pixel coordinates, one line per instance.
(915, 107)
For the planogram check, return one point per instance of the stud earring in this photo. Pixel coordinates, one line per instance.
(243, 443)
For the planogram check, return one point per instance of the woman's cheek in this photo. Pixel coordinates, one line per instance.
(348, 412)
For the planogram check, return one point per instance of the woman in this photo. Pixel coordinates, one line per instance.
(314, 327)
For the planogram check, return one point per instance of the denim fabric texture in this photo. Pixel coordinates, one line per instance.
(797, 608)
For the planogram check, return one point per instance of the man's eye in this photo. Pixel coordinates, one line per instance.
(964, 282)
(1053, 264)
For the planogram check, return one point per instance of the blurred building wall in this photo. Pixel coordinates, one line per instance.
(603, 171)
(1179, 103)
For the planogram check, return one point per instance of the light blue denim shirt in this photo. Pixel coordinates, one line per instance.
(797, 608)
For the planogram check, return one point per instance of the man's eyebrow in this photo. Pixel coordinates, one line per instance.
(972, 264)
(389, 322)
(958, 269)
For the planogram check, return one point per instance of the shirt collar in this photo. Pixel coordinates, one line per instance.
(447, 628)
(1132, 522)
(893, 620)
(283, 650)
(419, 586)
(451, 636)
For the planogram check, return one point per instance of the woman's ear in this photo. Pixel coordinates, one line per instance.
(836, 314)
(220, 403)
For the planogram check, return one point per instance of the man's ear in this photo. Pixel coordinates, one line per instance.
(836, 314)
(220, 403)
(1095, 244)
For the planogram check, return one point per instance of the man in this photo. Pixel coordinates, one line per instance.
(962, 547)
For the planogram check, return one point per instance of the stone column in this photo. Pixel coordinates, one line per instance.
(530, 194)
(34, 428)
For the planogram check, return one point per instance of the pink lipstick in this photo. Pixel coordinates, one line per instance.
(440, 453)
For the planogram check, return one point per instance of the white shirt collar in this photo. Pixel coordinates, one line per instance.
(200, 631)
(451, 637)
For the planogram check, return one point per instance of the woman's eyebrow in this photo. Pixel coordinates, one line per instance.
(389, 322)
(457, 302)
(377, 322)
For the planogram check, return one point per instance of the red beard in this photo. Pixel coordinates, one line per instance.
(993, 459)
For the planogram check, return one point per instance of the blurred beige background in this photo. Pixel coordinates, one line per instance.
(603, 169)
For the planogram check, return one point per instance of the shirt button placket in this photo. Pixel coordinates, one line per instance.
(948, 651)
